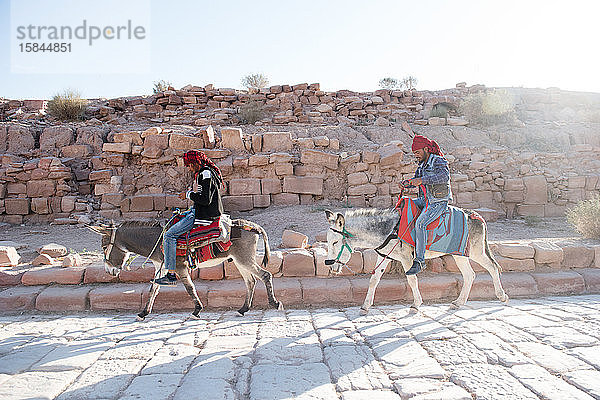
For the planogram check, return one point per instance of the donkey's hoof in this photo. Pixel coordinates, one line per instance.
(280, 307)
(456, 305)
(194, 316)
(242, 311)
(140, 318)
(506, 299)
(363, 311)
(413, 309)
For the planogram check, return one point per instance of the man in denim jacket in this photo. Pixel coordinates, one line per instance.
(432, 175)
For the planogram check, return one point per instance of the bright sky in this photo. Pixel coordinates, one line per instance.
(345, 44)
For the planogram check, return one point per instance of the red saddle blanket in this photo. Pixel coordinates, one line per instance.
(192, 241)
(447, 234)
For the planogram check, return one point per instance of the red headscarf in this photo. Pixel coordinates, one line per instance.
(421, 142)
(198, 157)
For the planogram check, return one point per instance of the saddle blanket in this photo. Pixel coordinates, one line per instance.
(202, 237)
(447, 234)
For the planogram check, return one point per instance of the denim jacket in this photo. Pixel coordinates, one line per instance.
(436, 177)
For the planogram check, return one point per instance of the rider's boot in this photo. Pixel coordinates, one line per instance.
(418, 266)
(170, 279)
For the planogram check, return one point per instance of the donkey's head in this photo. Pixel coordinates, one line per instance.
(114, 257)
(338, 249)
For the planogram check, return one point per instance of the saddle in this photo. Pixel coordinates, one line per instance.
(204, 242)
(446, 234)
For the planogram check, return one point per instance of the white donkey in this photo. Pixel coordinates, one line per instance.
(370, 229)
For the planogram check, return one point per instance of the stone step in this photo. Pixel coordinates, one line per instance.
(293, 292)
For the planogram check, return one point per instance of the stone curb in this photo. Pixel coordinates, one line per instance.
(296, 292)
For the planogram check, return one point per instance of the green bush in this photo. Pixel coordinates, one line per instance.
(67, 106)
(252, 112)
(488, 108)
(585, 217)
(161, 86)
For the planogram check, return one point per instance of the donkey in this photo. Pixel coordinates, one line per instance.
(135, 237)
(369, 228)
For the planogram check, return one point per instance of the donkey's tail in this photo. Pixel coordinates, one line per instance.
(252, 226)
(486, 246)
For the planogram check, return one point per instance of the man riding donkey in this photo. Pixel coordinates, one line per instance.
(206, 195)
(433, 179)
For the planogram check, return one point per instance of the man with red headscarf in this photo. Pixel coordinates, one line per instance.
(433, 179)
(205, 193)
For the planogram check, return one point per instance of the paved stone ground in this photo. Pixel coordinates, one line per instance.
(532, 349)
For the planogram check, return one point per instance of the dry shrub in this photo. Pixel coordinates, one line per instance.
(488, 108)
(252, 112)
(585, 217)
(67, 106)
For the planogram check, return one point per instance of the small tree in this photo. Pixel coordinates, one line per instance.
(67, 106)
(410, 82)
(388, 83)
(585, 217)
(255, 81)
(161, 86)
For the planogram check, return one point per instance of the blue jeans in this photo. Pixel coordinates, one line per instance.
(170, 238)
(427, 216)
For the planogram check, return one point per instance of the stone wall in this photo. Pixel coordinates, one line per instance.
(69, 173)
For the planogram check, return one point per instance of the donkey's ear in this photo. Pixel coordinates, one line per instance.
(340, 221)
(330, 216)
(98, 229)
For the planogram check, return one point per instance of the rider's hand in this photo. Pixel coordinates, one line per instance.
(416, 181)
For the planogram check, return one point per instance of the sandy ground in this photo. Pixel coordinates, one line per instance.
(308, 219)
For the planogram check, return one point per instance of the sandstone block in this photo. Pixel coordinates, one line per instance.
(321, 158)
(285, 199)
(277, 141)
(577, 255)
(61, 298)
(53, 250)
(179, 141)
(270, 186)
(9, 256)
(362, 190)
(560, 282)
(40, 205)
(244, 186)
(42, 188)
(237, 203)
(293, 239)
(42, 259)
(72, 260)
(391, 155)
(298, 263)
(513, 264)
(48, 275)
(121, 297)
(326, 291)
(19, 298)
(357, 178)
(536, 191)
(117, 147)
(232, 138)
(143, 202)
(261, 200)
(76, 151)
(514, 250)
(303, 185)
